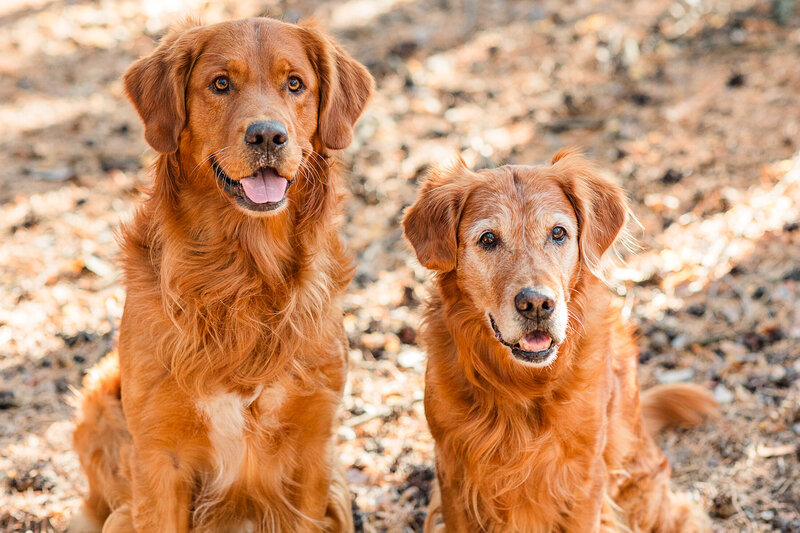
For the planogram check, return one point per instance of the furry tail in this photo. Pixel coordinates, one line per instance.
(676, 404)
(102, 442)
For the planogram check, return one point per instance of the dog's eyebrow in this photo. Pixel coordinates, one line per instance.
(226, 58)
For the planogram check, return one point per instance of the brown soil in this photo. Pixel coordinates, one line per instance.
(694, 107)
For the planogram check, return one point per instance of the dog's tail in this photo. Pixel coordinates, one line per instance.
(102, 442)
(676, 404)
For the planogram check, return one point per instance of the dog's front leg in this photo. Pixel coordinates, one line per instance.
(454, 511)
(590, 513)
(162, 492)
(323, 499)
(313, 484)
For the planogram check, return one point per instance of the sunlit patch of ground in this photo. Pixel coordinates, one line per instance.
(692, 107)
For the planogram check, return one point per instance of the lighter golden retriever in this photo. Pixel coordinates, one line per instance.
(218, 414)
(531, 390)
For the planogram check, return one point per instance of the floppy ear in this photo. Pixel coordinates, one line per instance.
(345, 86)
(431, 223)
(156, 86)
(599, 204)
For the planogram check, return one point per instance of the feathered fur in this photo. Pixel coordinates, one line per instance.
(218, 413)
(537, 449)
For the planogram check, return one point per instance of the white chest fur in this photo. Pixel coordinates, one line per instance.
(225, 416)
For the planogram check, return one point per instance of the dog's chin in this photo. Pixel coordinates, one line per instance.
(261, 194)
(537, 348)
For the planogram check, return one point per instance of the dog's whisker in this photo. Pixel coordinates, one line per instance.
(306, 169)
(575, 318)
(208, 157)
(317, 156)
(311, 171)
(221, 163)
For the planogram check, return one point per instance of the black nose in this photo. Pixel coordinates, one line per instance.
(266, 135)
(532, 303)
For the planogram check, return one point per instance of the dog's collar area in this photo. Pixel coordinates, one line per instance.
(523, 355)
(234, 188)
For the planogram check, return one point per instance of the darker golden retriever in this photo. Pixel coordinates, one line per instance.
(531, 390)
(219, 412)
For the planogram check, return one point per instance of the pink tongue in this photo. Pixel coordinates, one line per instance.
(535, 342)
(264, 186)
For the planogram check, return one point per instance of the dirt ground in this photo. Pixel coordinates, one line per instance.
(693, 106)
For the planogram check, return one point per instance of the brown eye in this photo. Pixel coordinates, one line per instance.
(221, 84)
(559, 234)
(294, 84)
(488, 240)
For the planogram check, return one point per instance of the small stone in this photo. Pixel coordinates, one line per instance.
(407, 335)
(698, 309)
(659, 340)
(675, 376)
(793, 274)
(373, 341)
(411, 358)
(722, 506)
(54, 174)
(722, 394)
(62, 385)
(641, 99)
(777, 374)
(346, 434)
(7, 400)
(680, 342)
(356, 477)
(736, 80)
(392, 344)
(672, 176)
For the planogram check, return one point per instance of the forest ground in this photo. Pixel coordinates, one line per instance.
(693, 107)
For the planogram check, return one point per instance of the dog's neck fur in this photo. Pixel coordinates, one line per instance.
(254, 283)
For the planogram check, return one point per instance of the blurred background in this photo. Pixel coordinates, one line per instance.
(693, 106)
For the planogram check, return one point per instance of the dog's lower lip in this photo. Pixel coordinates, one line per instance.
(518, 352)
(533, 357)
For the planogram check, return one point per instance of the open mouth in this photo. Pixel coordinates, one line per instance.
(535, 347)
(263, 190)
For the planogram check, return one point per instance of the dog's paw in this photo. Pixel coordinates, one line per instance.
(83, 522)
(120, 521)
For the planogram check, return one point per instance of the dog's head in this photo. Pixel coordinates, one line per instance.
(249, 104)
(518, 238)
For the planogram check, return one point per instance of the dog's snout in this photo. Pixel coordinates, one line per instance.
(266, 135)
(535, 303)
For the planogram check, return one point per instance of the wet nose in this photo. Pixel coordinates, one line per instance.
(535, 303)
(266, 135)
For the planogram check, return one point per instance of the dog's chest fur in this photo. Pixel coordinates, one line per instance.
(244, 436)
(233, 427)
(548, 466)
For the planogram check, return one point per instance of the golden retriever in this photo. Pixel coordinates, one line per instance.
(218, 414)
(531, 391)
